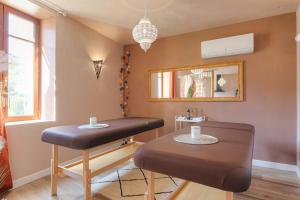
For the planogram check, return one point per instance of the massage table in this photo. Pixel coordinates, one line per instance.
(85, 139)
(225, 165)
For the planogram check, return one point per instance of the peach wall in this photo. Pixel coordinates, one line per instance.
(270, 83)
(298, 91)
(78, 94)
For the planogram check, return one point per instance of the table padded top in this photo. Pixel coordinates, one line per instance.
(225, 165)
(76, 138)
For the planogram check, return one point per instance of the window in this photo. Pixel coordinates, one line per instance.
(21, 41)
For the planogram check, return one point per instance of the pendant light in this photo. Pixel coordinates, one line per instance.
(145, 33)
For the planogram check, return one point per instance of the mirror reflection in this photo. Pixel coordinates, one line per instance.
(220, 82)
(194, 83)
(226, 82)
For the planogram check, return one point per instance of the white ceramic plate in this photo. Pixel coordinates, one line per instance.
(204, 139)
(95, 126)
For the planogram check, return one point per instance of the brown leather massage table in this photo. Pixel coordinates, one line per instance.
(225, 165)
(74, 137)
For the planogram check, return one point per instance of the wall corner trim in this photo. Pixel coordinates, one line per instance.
(297, 38)
(298, 172)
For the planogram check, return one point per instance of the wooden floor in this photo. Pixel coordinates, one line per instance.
(267, 184)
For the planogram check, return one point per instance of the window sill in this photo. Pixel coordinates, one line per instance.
(39, 121)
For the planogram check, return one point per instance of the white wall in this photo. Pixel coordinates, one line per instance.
(78, 94)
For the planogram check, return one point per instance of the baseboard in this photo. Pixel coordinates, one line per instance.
(260, 163)
(46, 172)
(274, 165)
(298, 172)
(27, 179)
(35, 176)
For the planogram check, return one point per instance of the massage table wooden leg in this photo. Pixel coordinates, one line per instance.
(54, 170)
(86, 176)
(131, 139)
(229, 195)
(150, 180)
(156, 133)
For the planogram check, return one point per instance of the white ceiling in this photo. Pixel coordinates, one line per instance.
(116, 18)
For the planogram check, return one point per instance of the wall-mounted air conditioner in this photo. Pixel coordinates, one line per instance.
(229, 46)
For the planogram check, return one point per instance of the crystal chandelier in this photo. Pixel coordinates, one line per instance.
(145, 33)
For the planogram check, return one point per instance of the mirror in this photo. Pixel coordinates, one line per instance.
(214, 82)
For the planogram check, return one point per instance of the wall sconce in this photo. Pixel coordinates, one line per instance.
(98, 67)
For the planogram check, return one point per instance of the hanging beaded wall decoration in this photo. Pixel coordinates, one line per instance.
(124, 88)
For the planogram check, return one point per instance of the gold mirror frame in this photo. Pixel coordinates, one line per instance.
(239, 64)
